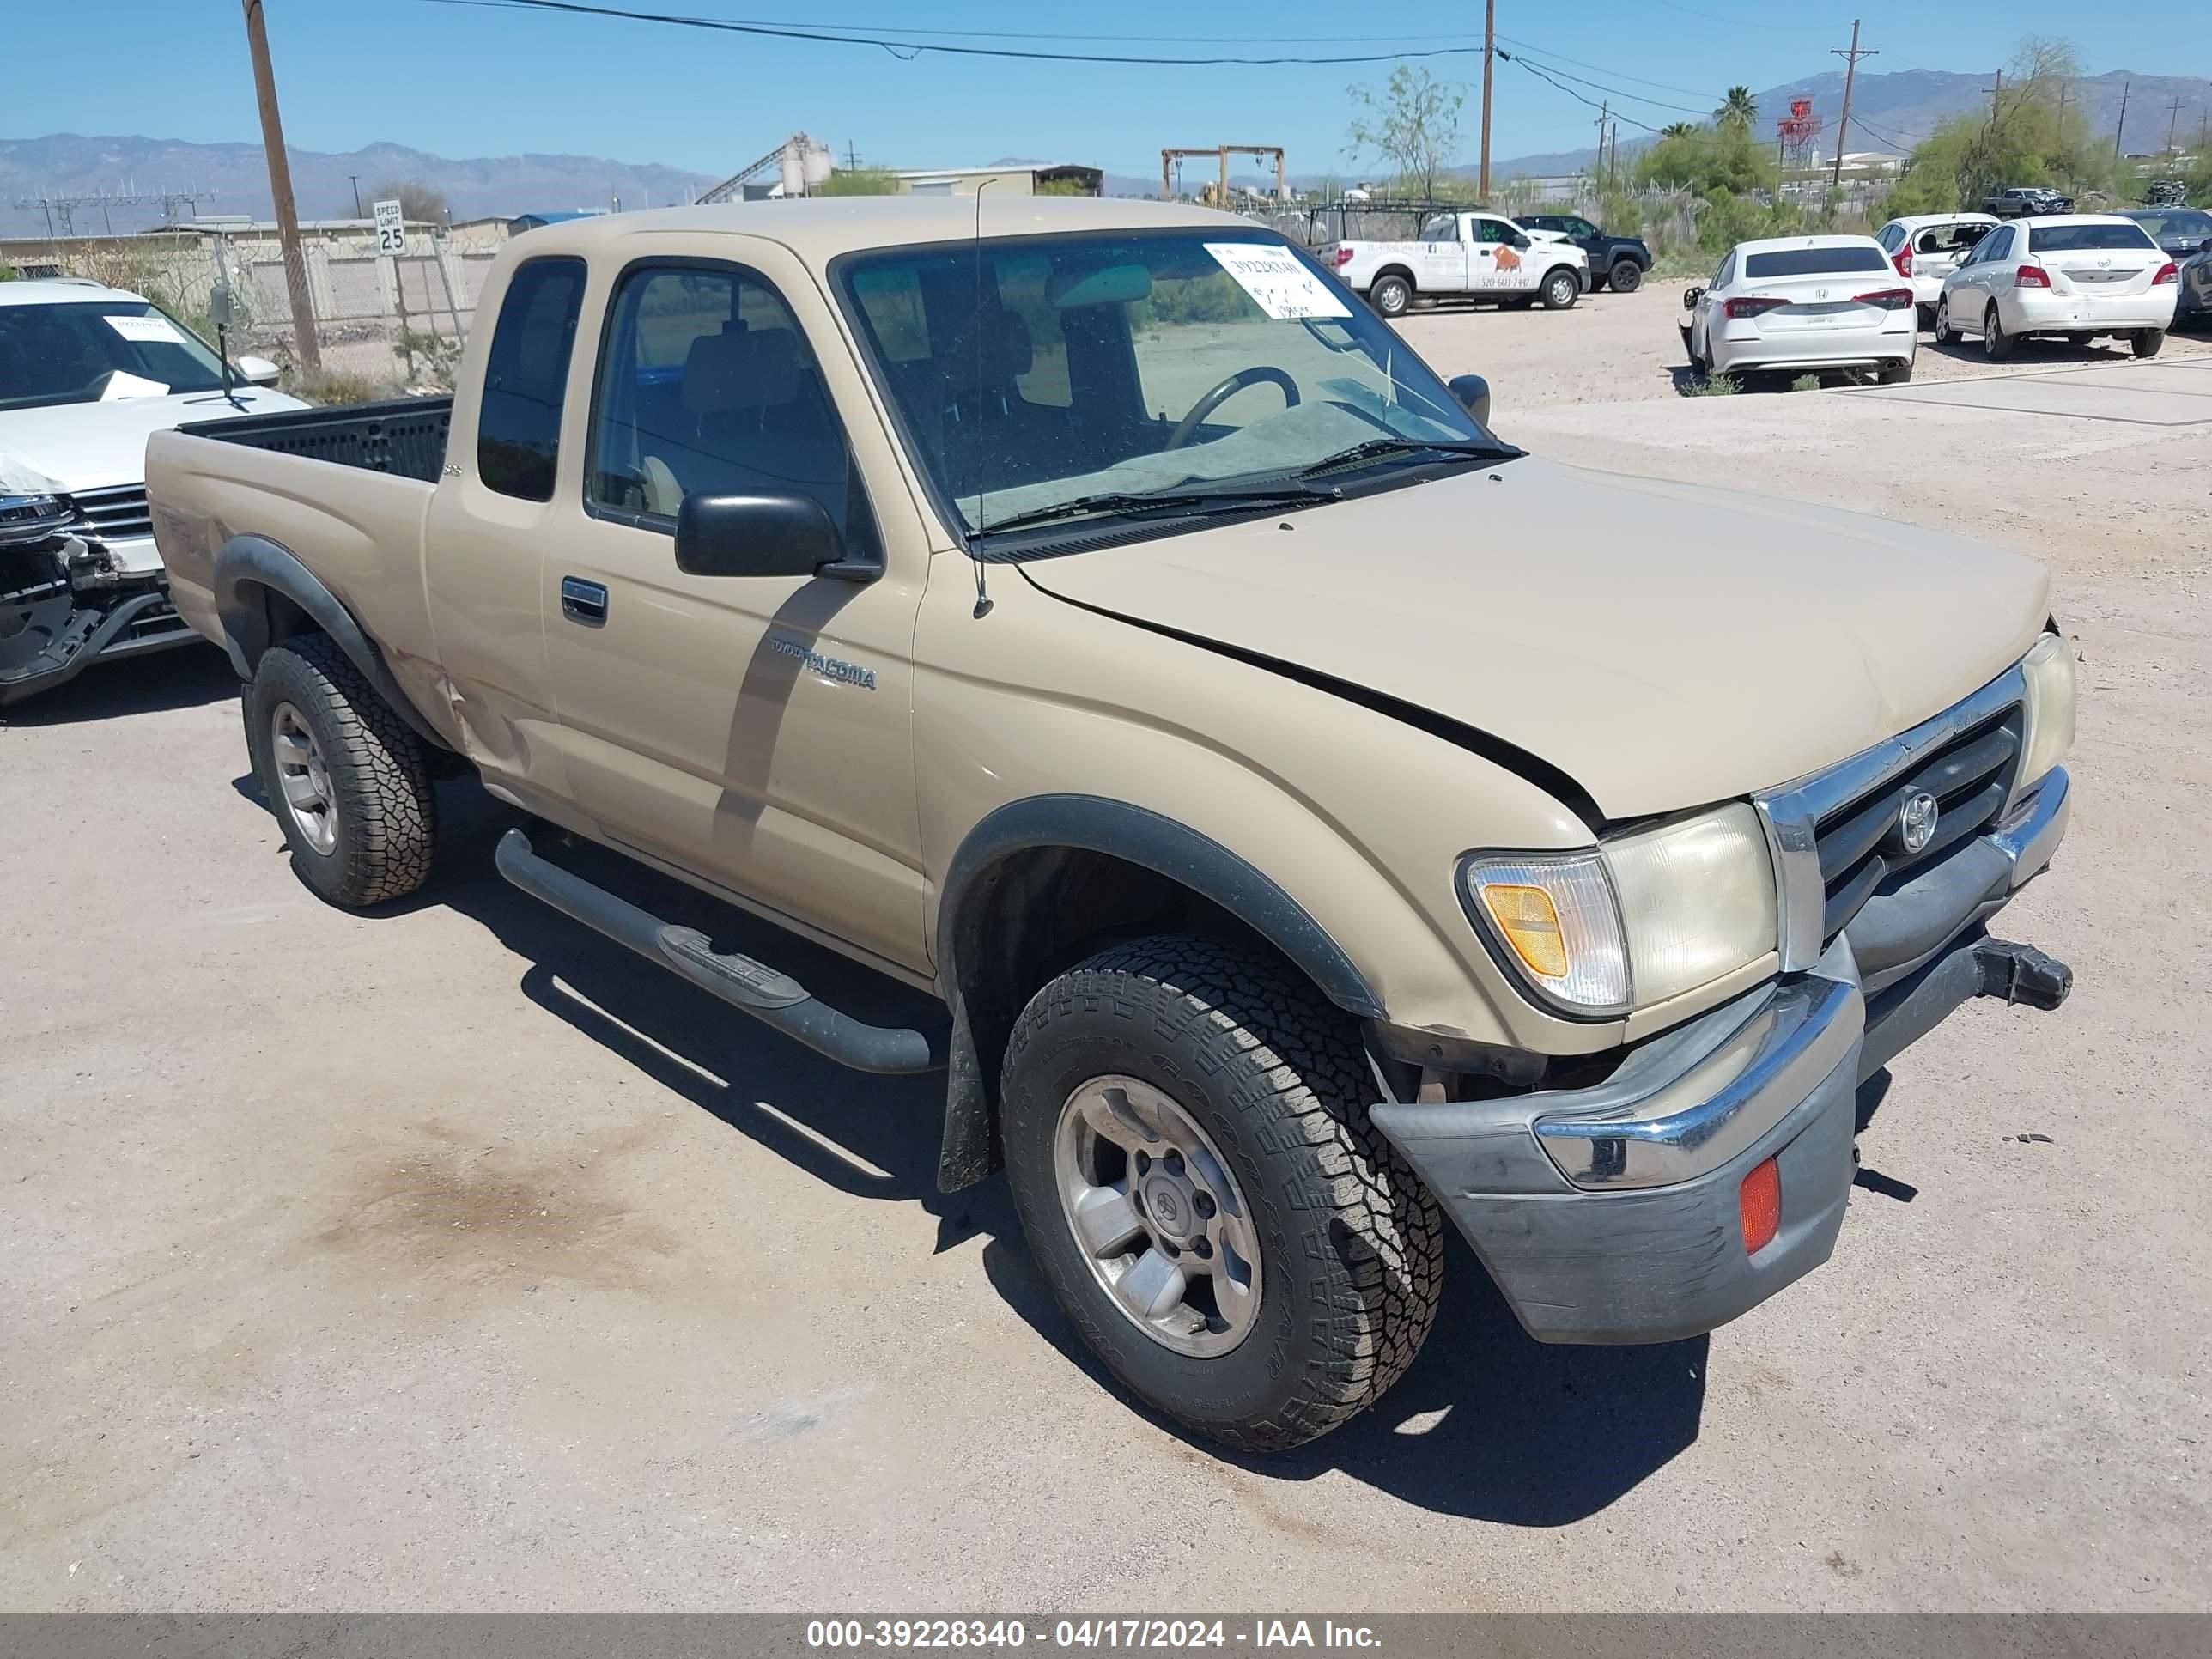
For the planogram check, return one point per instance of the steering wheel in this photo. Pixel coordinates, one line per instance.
(1228, 389)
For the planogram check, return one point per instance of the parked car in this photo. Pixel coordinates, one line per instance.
(2178, 231)
(1803, 303)
(1462, 256)
(86, 372)
(2192, 301)
(2167, 193)
(1927, 247)
(1615, 262)
(2023, 199)
(1057, 612)
(2082, 276)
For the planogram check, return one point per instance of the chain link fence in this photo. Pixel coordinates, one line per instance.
(382, 321)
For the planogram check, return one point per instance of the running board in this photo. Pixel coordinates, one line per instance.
(776, 998)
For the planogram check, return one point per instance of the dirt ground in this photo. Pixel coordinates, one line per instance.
(451, 1258)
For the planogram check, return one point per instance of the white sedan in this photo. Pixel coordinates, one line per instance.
(2081, 274)
(1803, 303)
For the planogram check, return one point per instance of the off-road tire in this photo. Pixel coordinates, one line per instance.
(2146, 342)
(1562, 288)
(1626, 276)
(1392, 295)
(1996, 344)
(1350, 1244)
(386, 807)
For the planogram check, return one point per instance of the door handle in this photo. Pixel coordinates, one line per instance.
(584, 602)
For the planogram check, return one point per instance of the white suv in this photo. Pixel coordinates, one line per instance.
(2080, 275)
(86, 372)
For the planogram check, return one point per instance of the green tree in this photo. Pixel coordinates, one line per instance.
(1706, 159)
(1739, 110)
(2033, 133)
(1411, 123)
(858, 181)
(417, 201)
(1678, 130)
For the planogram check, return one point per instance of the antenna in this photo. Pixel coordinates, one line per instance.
(976, 540)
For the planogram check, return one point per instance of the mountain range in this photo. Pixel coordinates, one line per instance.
(1890, 110)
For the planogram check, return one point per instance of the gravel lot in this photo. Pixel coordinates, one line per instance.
(451, 1258)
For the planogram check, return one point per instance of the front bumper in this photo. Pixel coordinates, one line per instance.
(1612, 1213)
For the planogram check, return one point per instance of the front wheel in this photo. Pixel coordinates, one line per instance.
(1945, 334)
(2147, 341)
(1562, 288)
(1189, 1153)
(1626, 276)
(1392, 295)
(348, 779)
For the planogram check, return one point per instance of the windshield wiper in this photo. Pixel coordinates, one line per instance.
(1228, 498)
(1375, 448)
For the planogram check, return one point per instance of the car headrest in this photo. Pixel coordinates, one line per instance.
(751, 369)
(1002, 339)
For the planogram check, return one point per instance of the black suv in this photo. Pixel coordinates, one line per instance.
(2022, 200)
(1618, 262)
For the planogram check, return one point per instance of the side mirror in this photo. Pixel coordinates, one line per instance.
(767, 534)
(2205, 246)
(1474, 394)
(1691, 296)
(1520, 240)
(259, 371)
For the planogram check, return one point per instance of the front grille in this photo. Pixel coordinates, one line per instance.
(1861, 853)
(119, 514)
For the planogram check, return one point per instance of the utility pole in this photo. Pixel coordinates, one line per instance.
(1604, 114)
(1850, 58)
(1995, 93)
(306, 347)
(2173, 115)
(354, 179)
(2122, 127)
(1489, 50)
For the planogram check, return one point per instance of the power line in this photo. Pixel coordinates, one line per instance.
(1632, 97)
(906, 48)
(1545, 51)
(1541, 76)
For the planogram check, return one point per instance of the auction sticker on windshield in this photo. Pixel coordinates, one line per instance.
(1278, 283)
(149, 330)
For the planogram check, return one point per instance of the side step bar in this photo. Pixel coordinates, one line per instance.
(774, 999)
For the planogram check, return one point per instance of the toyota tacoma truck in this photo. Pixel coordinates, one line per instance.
(1463, 256)
(1090, 613)
(86, 372)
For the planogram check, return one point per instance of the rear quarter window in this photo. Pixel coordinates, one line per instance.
(1812, 261)
(519, 422)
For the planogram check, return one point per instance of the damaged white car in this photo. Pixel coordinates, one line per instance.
(86, 374)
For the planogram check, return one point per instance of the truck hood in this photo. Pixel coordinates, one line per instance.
(59, 448)
(1665, 644)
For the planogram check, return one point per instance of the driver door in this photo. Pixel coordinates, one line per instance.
(1494, 263)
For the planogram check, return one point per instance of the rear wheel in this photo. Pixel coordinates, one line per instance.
(1562, 288)
(1996, 344)
(348, 779)
(1392, 295)
(2147, 341)
(1189, 1153)
(1626, 276)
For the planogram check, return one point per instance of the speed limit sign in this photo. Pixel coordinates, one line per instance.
(391, 228)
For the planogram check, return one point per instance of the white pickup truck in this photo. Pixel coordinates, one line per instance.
(1479, 255)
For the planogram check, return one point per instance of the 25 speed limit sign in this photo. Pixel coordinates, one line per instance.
(391, 228)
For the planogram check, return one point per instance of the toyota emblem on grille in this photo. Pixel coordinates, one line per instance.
(1915, 821)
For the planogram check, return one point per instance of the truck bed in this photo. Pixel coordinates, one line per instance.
(403, 436)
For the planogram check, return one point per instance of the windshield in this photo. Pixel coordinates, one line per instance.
(98, 352)
(1028, 373)
(2181, 225)
(2073, 238)
(1815, 261)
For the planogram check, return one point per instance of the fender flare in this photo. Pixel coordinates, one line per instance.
(1136, 835)
(247, 561)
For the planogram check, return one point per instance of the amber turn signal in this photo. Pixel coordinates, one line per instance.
(1760, 1201)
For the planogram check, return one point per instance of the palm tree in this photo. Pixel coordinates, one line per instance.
(1678, 130)
(1739, 109)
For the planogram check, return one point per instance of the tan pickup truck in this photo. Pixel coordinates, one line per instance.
(1318, 816)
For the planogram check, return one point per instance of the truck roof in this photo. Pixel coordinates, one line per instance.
(820, 229)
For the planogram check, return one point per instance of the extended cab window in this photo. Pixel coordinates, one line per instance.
(707, 384)
(518, 425)
(1439, 228)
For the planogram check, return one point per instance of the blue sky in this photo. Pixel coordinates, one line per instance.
(463, 80)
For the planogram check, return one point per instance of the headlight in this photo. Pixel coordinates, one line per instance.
(2049, 670)
(1645, 917)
